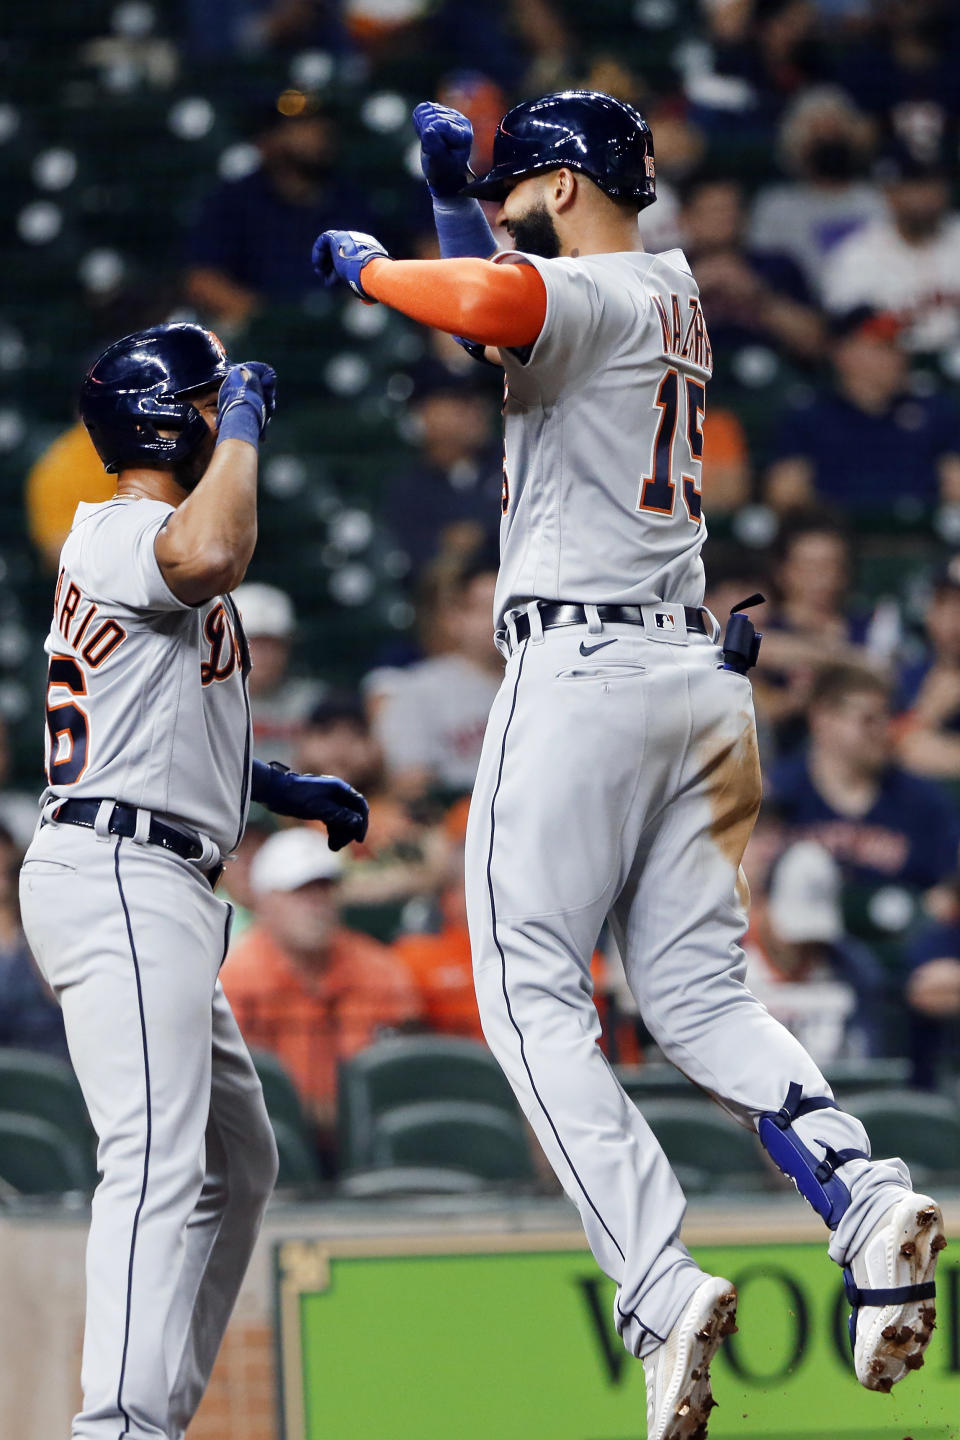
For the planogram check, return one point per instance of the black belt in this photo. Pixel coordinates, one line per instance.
(553, 615)
(123, 821)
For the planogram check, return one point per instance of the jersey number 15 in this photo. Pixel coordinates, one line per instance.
(658, 489)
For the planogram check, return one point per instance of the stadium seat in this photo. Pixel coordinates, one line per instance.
(399, 1180)
(407, 1070)
(298, 1163)
(36, 1158)
(459, 1135)
(42, 1087)
(656, 1081)
(279, 1092)
(854, 1077)
(921, 1127)
(707, 1149)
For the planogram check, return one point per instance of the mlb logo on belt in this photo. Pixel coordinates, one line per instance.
(666, 623)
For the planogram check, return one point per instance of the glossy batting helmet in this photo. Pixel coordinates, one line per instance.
(585, 130)
(142, 384)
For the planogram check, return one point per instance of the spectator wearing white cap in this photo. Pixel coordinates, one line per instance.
(824, 986)
(279, 702)
(303, 986)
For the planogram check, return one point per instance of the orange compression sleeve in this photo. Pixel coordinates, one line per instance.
(492, 304)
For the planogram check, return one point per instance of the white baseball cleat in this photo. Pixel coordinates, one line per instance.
(679, 1399)
(890, 1285)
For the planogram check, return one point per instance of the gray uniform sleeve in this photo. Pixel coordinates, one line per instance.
(589, 314)
(116, 561)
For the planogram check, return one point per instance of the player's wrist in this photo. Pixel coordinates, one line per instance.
(367, 274)
(240, 421)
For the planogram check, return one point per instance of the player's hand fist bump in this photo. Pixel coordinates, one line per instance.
(446, 138)
(248, 398)
(342, 254)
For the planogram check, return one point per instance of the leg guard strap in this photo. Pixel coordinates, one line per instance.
(815, 1179)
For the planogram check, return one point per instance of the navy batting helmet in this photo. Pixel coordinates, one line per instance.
(584, 130)
(143, 382)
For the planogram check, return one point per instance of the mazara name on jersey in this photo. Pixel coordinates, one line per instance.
(685, 338)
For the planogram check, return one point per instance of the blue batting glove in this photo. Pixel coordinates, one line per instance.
(446, 138)
(341, 809)
(247, 399)
(342, 254)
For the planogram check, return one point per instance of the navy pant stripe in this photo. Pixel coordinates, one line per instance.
(506, 996)
(146, 1150)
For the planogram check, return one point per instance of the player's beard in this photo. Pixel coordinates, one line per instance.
(535, 233)
(189, 472)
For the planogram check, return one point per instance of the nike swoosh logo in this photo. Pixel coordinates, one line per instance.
(592, 649)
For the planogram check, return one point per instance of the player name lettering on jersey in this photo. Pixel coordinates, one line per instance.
(685, 338)
(75, 616)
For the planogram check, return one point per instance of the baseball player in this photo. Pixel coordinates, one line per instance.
(149, 777)
(619, 775)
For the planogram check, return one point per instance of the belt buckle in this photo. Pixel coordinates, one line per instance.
(666, 624)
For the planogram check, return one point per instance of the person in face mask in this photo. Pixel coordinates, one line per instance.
(824, 145)
(908, 263)
(248, 245)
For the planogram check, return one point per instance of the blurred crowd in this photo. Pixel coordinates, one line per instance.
(807, 156)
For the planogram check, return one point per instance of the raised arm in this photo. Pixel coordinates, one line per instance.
(502, 305)
(207, 543)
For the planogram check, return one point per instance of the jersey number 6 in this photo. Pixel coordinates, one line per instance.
(67, 724)
(658, 489)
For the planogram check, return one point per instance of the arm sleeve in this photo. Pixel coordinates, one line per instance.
(117, 561)
(473, 298)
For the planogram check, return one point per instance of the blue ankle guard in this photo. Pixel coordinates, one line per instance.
(815, 1179)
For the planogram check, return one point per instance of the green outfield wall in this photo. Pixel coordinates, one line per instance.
(511, 1338)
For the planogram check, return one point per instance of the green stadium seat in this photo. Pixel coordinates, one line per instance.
(921, 1127)
(708, 1150)
(279, 1092)
(298, 1167)
(407, 1070)
(459, 1135)
(656, 1081)
(45, 1088)
(399, 1180)
(37, 1158)
(855, 1077)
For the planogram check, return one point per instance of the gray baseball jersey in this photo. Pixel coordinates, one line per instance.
(146, 696)
(604, 438)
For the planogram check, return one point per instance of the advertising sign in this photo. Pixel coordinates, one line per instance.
(497, 1337)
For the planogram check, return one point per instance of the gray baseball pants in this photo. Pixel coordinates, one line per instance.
(131, 939)
(626, 784)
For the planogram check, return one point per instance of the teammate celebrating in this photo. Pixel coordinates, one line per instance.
(149, 777)
(619, 777)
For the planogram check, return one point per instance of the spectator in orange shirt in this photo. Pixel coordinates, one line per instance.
(440, 965)
(299, 983)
